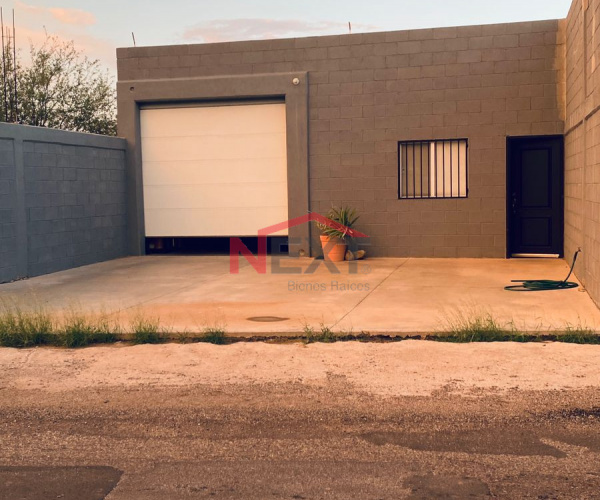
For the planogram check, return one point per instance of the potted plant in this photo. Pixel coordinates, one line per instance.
(335, 238)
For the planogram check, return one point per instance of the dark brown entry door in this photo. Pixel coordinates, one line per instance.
(535, 195)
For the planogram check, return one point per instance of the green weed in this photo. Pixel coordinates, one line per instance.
(578, 334)
(146, 330)
(20, 328)
(214, 335)
(324, 335)
(80, 330)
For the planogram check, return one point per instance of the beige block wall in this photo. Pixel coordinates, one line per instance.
(369, 91)
(582, 141)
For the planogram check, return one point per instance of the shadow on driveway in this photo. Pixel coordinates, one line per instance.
(66, 483)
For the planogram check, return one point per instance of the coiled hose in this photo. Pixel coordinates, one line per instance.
(545, 285)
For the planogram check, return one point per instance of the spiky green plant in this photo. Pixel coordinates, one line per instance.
(344, 216)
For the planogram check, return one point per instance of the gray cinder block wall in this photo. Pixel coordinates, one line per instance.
(62, 200)
(369, 91)
(8, 222)
(582, 141)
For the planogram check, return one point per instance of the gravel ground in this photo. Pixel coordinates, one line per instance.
(254, 421)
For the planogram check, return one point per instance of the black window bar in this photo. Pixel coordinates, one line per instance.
(433, 169)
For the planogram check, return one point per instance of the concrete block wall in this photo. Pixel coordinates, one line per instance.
(369, 91)
(8, 254)
(582, 141)
(62, 200)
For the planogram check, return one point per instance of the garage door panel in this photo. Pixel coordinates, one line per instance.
(223, 171)
(239, 196)
(214, 171)
(177, 122)
(215, 221)
(214, 147)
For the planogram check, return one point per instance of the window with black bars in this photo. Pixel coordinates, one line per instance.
(433, 169)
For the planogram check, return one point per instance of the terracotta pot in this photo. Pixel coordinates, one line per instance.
(334, 249)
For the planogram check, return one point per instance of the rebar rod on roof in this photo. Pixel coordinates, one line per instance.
(5, 95)
(14, 43)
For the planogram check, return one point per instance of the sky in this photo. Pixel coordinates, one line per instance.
(99, 27)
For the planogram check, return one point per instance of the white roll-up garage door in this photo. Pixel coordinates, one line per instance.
(214, 171)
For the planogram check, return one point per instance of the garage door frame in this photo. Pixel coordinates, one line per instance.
(136, 94)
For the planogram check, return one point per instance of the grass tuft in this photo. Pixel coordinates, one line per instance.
(483, 327)
(80, 330)
(215, 336)
(146, 330)
(324, 335)
(19, 328)
(579, 334)
(478, 328)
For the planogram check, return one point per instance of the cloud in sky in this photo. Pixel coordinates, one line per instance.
(73, 16)
(64, 16)
(223, 30)
(35, 22)
(92, 47)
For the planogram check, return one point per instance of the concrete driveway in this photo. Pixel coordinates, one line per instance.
(392, 296)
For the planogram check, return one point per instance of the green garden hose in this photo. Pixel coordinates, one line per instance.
(545, 285)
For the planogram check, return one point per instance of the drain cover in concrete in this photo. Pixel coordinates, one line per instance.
(66, 483)
(267, 319)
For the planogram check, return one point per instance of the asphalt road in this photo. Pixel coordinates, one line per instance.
(293, 441)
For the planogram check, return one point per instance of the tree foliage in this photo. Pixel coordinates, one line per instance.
(58, 88)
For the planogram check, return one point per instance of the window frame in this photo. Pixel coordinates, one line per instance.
(434, 141)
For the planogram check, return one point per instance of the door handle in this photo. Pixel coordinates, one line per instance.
(514, 203)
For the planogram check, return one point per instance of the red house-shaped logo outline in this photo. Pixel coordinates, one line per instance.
(259, 262)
